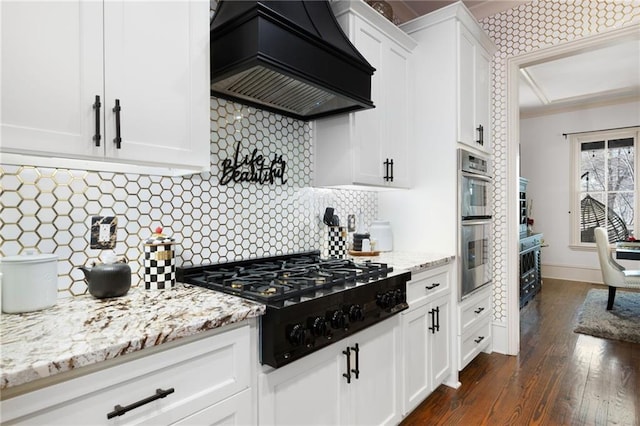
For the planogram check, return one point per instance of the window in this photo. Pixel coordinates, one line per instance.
(605, 190)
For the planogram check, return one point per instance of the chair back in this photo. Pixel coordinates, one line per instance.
(611, 271)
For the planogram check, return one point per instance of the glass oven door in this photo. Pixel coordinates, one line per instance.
(475, 256)
(474, 196)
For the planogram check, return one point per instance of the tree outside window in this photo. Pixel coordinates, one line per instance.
(605, 192)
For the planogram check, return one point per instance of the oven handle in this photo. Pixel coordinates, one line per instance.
(476, 176)
(476, 222)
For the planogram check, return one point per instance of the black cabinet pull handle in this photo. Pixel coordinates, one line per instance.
(356, 370)
(431, 287)
(391, 166)
(479, 339)
(386, 170)
(480, 130)
(437, 318)
(433, 321)
(119, 410)
(117, 140)
(477, 311)
(347, 375)
(96, 107)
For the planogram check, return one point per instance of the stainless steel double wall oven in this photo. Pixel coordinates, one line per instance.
(474, 205)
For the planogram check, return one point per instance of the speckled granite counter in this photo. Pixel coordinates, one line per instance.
(411, 261)
(81, 331)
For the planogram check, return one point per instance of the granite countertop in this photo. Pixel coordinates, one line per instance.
(414, 262)
(81, 331)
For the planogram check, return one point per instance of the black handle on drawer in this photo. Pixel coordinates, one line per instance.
(479, 339)
(347, 375)
(356, 370)
(96, 107)
(432, 286)
(119, 410)
(477, 311)
(117, 140)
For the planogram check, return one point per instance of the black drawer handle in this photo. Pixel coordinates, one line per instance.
(117, 140)
(479, 339)
(96, 107)
(119, 410)
(477, 311)
(431, 287)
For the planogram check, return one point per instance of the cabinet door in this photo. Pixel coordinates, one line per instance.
(440, 342)
(466, 86)
(416, 385)
(368, 168)
(306, 392)
(483, 96)
(51, 73)
(156, 65)
(374, 394)
(396, 115)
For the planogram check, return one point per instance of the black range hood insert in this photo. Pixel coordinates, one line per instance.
(290, 57)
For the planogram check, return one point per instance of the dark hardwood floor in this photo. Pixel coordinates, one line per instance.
(559, 377)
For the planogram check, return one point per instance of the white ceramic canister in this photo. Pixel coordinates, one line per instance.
(380, 232)
(29, 282)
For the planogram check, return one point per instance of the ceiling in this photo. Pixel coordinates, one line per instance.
(606, 75)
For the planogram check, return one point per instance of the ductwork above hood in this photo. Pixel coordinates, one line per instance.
(290, 57)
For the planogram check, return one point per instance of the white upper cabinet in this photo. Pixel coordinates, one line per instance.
(152, 57)
(453, 78)
(370, 147)
(474, 94)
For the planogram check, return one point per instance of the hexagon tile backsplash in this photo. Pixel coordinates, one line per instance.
(50, 209)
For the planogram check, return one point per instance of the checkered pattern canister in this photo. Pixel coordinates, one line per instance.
(159, 263)
(337, 242)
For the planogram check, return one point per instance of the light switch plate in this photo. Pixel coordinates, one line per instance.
(103, 232)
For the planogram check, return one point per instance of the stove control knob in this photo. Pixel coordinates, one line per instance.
(318, 326)
(337, 319)
(385, 300)
(355, 313)
(296, 334)
(400, 296)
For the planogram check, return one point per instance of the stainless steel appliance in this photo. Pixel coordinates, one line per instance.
(311, 302)
(474, 204)
(475, 186)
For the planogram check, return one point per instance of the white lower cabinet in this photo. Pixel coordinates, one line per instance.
(209, 381)
(474, 326)
(355, 381)
(426, 349)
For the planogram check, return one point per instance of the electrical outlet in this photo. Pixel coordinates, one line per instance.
(103, 232)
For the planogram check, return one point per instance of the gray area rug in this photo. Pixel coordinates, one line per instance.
(620, 323)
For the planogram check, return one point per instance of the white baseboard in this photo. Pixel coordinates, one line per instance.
(572, 273)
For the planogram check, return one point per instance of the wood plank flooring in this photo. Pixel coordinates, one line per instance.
(559, 377)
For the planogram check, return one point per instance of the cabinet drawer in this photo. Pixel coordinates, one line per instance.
(474, 341)
(427, 284)
(474, 310)
(201, 373)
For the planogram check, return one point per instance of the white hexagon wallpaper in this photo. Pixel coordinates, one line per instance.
(524, 29)
(50, 209)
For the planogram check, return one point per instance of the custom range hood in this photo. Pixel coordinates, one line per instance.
(289, 57)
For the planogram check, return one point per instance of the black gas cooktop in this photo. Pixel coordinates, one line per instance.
(311, 302)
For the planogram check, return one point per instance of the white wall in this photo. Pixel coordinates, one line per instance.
(545, 161)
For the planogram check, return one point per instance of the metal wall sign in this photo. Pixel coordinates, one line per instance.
(253, 167)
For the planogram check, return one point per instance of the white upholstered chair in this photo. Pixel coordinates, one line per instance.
(613, 274)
